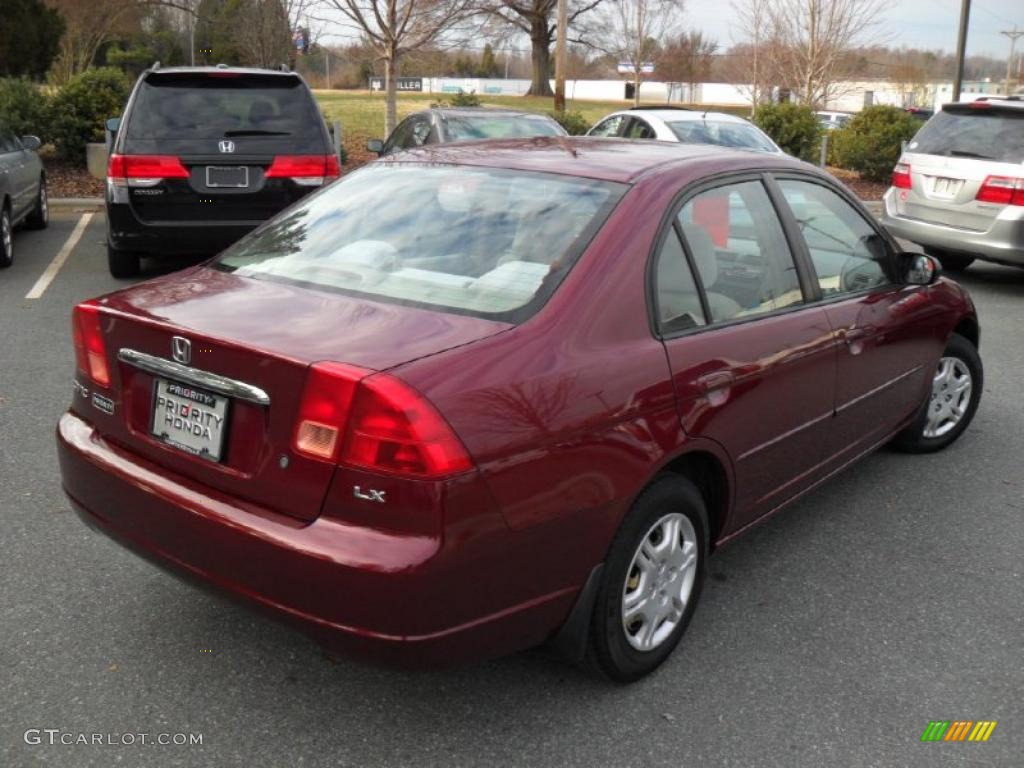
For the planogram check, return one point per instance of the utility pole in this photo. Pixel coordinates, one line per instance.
(560, 33)
(961, 46)
(327, 67)
(1013, 35)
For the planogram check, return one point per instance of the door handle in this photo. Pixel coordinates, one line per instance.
(709, 382)
(850, 335)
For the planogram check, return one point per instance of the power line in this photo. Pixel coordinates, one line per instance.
(1013, 35)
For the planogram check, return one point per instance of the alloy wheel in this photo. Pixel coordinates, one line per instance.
(950, 398)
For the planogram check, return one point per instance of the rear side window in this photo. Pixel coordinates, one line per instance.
(609, 127)
(202, 106)
(486, 242)
(986, 133)
(679, 305)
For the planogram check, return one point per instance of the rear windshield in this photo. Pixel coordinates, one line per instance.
(485, 242)
(201, 106)
(986, 133)
(724, 134)
(470, 127)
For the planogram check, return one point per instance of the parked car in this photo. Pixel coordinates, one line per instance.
(689, 126)
(473, 398)
(830, 121)
(202, 155)
(443, 125)
(22, 189)
(919, 113)
(958, 189)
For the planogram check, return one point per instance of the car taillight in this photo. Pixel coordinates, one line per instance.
(304, 169)
(901, 176)
(144, 170)
(1004, 190)
(374, 421)
(90, 349)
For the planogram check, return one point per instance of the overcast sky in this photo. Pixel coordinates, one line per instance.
(915, 23)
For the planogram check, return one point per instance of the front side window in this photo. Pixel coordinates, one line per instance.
(740, 251)
(848, 254)
(609, 127)
(486, 242)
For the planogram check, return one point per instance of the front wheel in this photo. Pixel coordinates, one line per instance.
(40, 216)
(952, 401)
(652, 581)
(6, 238)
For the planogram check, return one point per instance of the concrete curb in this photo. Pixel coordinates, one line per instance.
(88, 203)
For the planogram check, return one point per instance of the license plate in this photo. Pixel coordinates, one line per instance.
(235, 177)
(946, 187)
(190, 419)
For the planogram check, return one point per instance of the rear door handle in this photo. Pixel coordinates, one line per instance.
(709, 382)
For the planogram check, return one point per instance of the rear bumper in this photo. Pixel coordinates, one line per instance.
(382, 596)
(1003, 242)
(125, 232)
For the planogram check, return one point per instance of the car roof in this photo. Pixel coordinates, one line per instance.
(606, 159)
(682, 115)
(207, 70)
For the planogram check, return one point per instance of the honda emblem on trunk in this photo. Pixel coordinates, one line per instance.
(181, 350)
(226, 146)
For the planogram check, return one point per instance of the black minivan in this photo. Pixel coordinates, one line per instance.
(202, 155)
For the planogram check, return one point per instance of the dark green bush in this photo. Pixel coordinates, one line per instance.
(81, 108)
(24, 107)
(794, 127)
(465, 99)
(573, 122)
(872, 141)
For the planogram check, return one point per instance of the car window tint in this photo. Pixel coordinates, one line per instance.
(639, 129)
(990, 134)
(726, 134)
(740, 251)
(609, 127)
(483, 126)
(400, 137)
(847, 252)
(678, 298)
(203, 106)
(420, 132)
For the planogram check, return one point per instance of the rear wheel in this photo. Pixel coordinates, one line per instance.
(651, 582)
(6, 238)
(952, 402)
(122, 263)
(40, 216)
(951, 262)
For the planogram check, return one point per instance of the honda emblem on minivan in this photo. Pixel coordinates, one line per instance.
(226, 146)
(181, 350)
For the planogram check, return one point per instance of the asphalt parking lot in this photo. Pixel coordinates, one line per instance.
(830, 635)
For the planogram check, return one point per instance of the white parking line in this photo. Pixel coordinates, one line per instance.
(58, 261)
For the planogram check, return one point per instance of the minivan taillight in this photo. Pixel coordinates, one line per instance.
(144, 170)
(377, 422)
(311, 170)
(1004, 190)
(90, 349)
(901, 176)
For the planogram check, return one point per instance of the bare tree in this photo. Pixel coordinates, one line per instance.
(814, 37)
(634, 30)
(536, 19)
(753, 23)
(686, 58)
(393, 28)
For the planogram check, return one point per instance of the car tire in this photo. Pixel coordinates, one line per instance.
(951, 262)
(949, 408)
(123, 264)
(651, 582)
(40, 216)
(6, 238)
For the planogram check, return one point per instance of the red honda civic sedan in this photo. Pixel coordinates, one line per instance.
(474, 398)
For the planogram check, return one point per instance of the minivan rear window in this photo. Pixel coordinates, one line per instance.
(222, 104)
(478, 241)
(986, 133)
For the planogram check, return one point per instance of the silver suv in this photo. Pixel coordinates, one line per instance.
(958, 189)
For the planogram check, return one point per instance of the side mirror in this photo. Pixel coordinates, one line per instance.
(375, 145)
(921, 269)
(31, 142)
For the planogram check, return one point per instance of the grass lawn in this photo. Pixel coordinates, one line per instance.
(362, 113)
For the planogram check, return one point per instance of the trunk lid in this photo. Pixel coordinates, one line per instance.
(262, 335)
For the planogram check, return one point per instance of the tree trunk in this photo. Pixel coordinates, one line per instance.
(391, 92)
(541, 45)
